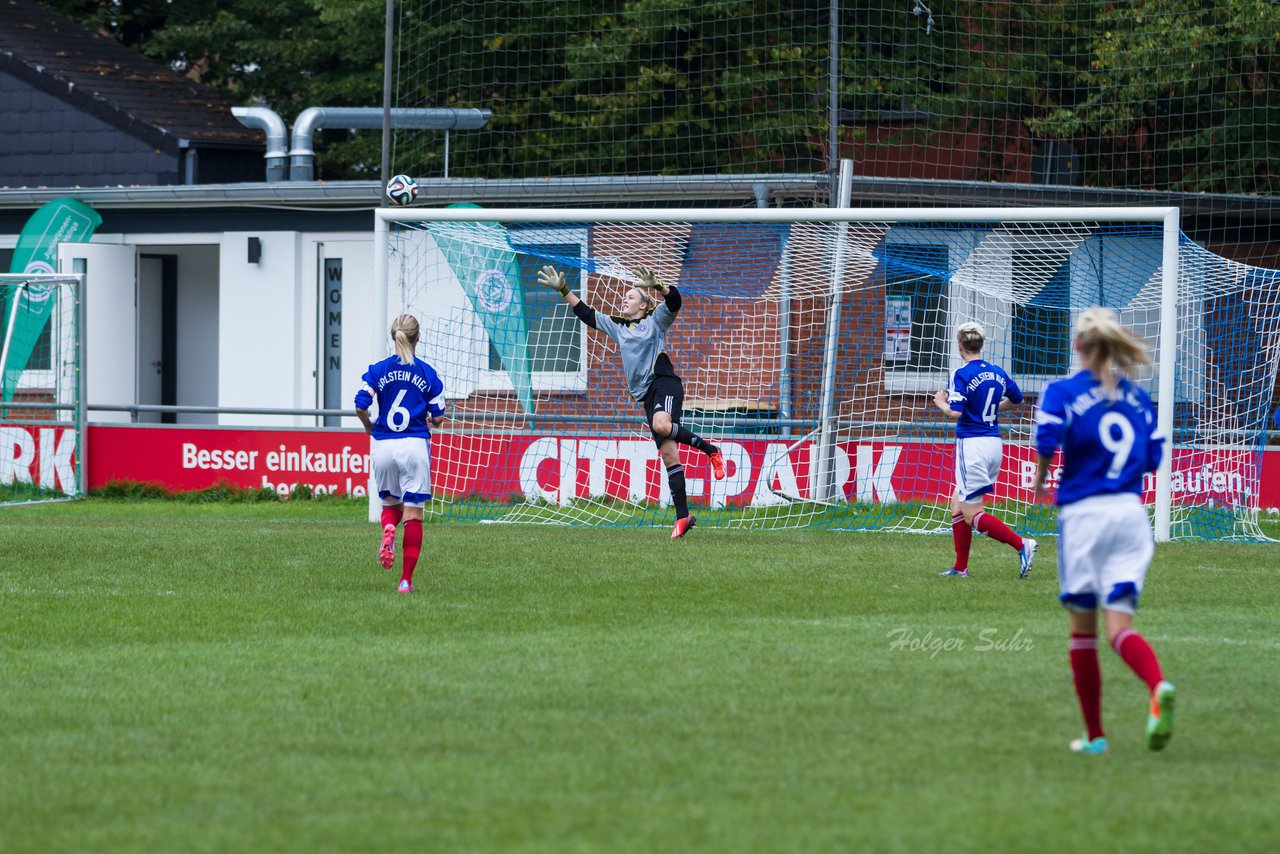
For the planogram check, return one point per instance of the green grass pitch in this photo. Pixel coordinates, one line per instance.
(242, 677)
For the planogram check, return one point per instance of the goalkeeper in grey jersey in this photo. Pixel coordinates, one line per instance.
(640, 331)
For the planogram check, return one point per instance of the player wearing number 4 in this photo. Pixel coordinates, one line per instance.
(979, 392)
(410, 402)
(640, 331)
(1106, 428)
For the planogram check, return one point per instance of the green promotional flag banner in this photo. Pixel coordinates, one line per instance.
(484, 263)
(27, 309)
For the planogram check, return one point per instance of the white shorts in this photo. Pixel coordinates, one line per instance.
(977, 466)
(1104, 549)
(402, 470)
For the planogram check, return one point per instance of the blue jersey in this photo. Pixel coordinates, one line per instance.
(407, 396)
(976, 391)
(1107, 444)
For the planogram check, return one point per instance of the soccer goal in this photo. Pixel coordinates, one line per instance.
(811, 343)
(42, 401)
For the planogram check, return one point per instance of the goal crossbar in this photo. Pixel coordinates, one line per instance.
(1082, 214)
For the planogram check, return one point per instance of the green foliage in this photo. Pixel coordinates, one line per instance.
(1159, 94)
(128, 490)
(221, 493)
(1200, 83)
(18, 492)
(651, 87)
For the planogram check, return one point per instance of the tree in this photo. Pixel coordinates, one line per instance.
(576, 87)
(592, 87)
(1195, 85)
(1155, 94)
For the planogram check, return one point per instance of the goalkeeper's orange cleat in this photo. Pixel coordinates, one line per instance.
(717, 465)
(387, 554)
(682, 527)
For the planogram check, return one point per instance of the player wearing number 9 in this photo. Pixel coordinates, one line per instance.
(410, 398)
(1106, 427)
(979, 392)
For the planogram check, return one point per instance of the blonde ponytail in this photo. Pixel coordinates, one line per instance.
(1108, 349)
(404, 332)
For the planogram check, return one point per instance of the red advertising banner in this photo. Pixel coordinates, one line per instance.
(43, 457)
(562, 469)
(185, 458)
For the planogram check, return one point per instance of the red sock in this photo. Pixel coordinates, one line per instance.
(962, 535)
(997, 530)
(1138, 654)
(412, 545)
(1088, 679)
(391, 515)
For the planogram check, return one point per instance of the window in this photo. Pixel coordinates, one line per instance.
(914, 286)
(555, 335)
(42, 353)
(41, 358)
(556, 339)
(1041, 329)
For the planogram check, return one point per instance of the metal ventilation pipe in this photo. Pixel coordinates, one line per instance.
(268, 120)
(302, 156)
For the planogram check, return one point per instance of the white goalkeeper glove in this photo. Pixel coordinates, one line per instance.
(552, 278)
(646, 278)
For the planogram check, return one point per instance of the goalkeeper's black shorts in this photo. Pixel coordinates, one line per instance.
(666, 394)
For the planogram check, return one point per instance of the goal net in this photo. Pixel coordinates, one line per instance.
(810, 344)
(42, 397)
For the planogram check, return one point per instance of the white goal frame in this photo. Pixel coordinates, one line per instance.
(74, 392)
(1168, 216)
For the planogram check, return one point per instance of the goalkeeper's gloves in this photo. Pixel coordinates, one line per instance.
(552, 278)
(648, 279)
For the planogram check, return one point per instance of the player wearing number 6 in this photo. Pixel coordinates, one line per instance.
(1106, 427)
(640, 331)
(979, 392)
(410, 400)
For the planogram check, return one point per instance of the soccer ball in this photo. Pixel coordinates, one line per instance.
(402, 190)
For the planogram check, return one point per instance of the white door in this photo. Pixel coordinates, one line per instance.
(111, 327)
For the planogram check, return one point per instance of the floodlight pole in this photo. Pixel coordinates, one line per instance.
(380, 230)
(380, 285)
(833, 90)
(388, 56)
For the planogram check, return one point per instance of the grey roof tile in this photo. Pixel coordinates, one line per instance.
(122, 87)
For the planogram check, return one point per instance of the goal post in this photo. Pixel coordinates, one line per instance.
(42, 388)
(777, 350)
